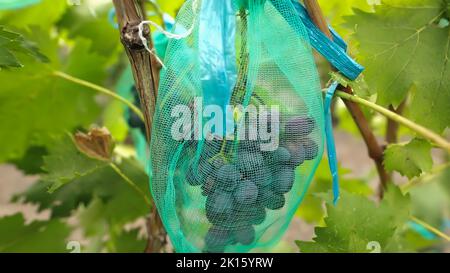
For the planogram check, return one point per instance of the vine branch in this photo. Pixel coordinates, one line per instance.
(130, 13)
(375, 151)
(393, 126)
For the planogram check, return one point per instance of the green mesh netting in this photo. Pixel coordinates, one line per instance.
(215, 190)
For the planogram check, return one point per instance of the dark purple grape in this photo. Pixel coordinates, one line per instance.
(246, 193)
(283, 180)
(245, 235)
(257, 215)
(217, 239)
(299, 127)
(281, 155)
(262, 176)
(219, 207)
(247, 215)
(277, 202)
(249, 162)
(297, 152)
(134, 121)
(311, 149)
(270, 199)
(227, 177)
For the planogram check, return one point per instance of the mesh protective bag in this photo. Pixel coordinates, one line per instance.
(225, 186)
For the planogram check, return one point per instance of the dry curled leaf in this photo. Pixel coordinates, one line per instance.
(97, 143)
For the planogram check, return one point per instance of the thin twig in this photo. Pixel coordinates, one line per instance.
(99, 89)
(425, 178)
(431, 228)
(422, 131)
(130, 183)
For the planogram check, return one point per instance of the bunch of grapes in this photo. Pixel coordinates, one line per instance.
(239, 191)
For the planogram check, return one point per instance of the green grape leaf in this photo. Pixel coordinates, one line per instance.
(356, 221)
(94, 220)
(432, 210)
(35, 105)
(128, 242)
(65, 163)
(114, 120)
(336, 10)
(402, 47)
(32, 161)
(409, 160)
(12, 44)
(312, 209)
(170, 7)
(85, 182)
(105, 38)
(37, 237)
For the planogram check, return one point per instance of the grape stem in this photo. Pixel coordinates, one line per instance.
(424, 132)
(99, 89)
(130, 183)
(425, 178)
(431, 228)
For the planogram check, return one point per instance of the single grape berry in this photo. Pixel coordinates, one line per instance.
(283, 180)
(246, 193)
(245, 235)
(219, 206)
(247, 215)
(261, 176)
(277, 202)
(217, 239)
(311, 149)
(299, 127)
(248, 162)
(227, 177)
(134, 121)
(281, 155)
(257, 215)
(297, 152)
(270, 199)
